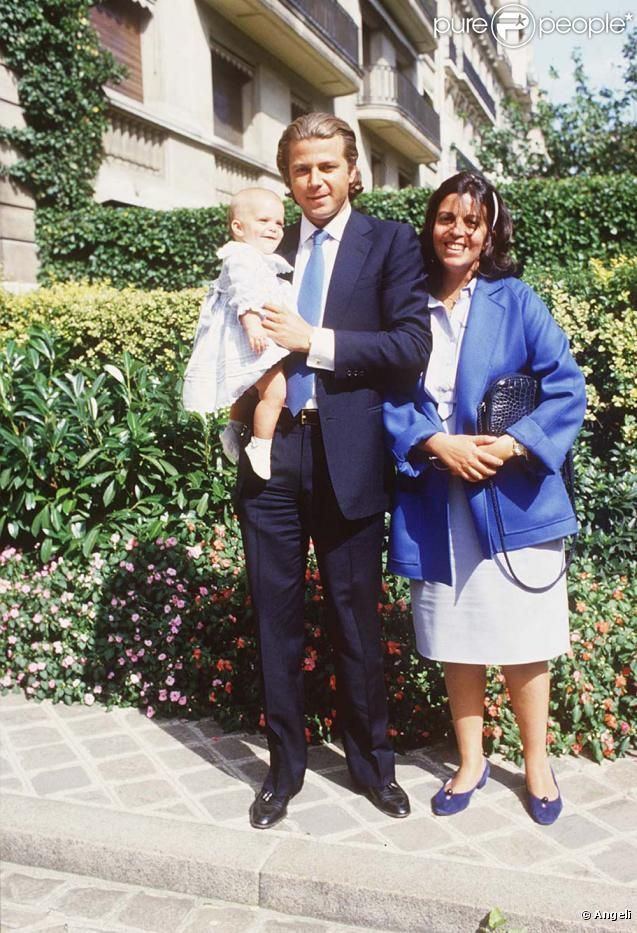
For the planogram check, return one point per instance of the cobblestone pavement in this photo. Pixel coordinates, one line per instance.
(60, 902)
(189, 771)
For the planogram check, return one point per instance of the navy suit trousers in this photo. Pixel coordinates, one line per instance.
(277, 520)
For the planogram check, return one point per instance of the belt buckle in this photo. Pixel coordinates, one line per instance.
(308, 416)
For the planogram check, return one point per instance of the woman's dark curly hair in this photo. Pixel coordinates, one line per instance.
(495, 262)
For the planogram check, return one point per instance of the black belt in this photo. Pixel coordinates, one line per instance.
(305, 416)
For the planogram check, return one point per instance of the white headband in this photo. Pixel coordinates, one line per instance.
(495, 209)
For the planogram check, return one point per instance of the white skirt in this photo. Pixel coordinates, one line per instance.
(484, 617)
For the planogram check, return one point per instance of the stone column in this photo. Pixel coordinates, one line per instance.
(18, 257)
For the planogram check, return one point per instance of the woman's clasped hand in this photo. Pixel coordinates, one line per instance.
(471, 457)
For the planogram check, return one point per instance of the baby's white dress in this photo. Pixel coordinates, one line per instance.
(222, 365)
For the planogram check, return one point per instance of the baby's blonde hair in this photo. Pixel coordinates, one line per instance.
(244, 199)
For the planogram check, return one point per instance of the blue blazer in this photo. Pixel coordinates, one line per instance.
(377, 304)
(509, 329)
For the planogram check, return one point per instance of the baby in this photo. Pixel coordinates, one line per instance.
(232, 351)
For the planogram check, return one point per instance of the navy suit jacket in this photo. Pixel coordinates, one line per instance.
(509, 330)
(377, 306)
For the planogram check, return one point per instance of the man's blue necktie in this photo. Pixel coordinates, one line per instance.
(300, 382)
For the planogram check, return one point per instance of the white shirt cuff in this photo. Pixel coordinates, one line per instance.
(321, 352)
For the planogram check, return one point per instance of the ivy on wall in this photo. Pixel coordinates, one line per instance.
(61, 68)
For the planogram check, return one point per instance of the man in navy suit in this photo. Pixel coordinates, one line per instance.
(364, 329)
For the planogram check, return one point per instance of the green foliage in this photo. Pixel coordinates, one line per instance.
(595, 133)
(91, 453)
(98, 322)
(572, 219)
(569, 219)
(61, 69)
(132, 246)
(495, 920)
(596, 304)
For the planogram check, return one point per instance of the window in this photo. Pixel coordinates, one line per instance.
(119, 25)
(405, 179)
(231, 78)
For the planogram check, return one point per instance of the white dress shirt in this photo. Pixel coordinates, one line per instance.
(321, 352)
(447, 333)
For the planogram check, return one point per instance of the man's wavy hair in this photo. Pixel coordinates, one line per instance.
(495, 261)
(319, 126)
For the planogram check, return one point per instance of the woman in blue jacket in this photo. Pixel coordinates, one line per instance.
(468, 609)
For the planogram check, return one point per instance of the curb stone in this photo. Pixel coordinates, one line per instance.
(389, 890)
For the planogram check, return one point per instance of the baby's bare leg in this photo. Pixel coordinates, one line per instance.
(272, 389)
(243, 409)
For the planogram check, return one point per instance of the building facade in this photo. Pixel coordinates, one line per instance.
(211, 84)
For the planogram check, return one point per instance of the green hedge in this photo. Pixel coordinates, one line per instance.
(98, 321)
(556, 220)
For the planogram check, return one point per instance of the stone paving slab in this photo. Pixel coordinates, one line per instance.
(119, 769)
(36, 898)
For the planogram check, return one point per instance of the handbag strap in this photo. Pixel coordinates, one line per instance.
(498, 519)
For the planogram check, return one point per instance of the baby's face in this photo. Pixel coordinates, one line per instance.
(260, 224)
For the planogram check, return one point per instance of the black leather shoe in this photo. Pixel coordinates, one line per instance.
(268, 810)
(390, 799)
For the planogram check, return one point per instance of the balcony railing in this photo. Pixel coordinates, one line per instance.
(478, 84)
(134, 141)
(384, 85)
(332, 23)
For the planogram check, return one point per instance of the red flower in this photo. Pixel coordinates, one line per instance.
(393, 647)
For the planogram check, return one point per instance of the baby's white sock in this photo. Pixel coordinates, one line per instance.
(258, 451)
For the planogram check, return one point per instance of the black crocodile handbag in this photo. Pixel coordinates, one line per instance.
(508, 399)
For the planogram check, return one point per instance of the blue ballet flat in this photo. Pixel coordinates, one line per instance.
(446, 803)
(543, 810)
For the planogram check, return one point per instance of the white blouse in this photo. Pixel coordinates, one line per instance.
(447, 332)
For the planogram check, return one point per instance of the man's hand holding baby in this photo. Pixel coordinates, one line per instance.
(287, 329)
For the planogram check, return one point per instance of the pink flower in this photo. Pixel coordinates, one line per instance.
(163, 695)
(170, 680)
(182, 701)
(32, 668)
(161, 657)
(89, 699)
(171, 572)
(150, 712)
(135, 617)
(174, 696)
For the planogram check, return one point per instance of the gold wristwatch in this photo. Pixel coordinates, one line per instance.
(519, 450)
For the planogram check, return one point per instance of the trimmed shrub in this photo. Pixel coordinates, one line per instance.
(555, 220)
(99, 322)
